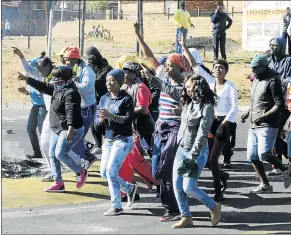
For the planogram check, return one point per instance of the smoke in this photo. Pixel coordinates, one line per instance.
(12, 152)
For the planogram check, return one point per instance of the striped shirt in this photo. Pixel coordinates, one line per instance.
(169, 98)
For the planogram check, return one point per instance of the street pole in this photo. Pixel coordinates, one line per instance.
(80, 23)
(49, 49)
(141, 22)
(83, 27)
(138, 21)
(62, 14)
(46, 21)
(29, 19)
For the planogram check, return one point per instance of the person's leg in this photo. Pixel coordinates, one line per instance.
(31, 130)
(120, 149)
(88, 115)
(289, 146)
(222, 40)
(55, 164)
(156, 154)
(45, 140)
(215, 46)
(127, 174)
(97, 132)
(191, 188)
(177, 40)
(140, 165)
(106, 149)
(41, 116)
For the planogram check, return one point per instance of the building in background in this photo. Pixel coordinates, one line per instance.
(262, 20)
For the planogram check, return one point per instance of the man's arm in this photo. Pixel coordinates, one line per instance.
(214, 17)
(148, 54)
(229, 20)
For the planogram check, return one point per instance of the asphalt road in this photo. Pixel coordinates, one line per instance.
(241, 211)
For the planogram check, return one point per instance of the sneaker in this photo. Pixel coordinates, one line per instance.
(81, 179)
(131, 196)
(275, 172)
(286, 176)
(96, 150)
(136, 198)
(47, 178)
(262, 188)
(57, 187)
(88, 164)
(170, 216)
(215, 214)
(113, 212)
(185, 222)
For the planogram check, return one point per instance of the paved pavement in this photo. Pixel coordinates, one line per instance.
(242, 212)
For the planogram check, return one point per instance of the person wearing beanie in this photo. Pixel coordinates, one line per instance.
(42, 73)
(101, 67)
(281, 63)
(266, 104)
(66, 124)
(115, 112)
(144, 127)
(84, 78)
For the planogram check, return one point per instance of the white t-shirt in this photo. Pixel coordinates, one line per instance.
(7, 25)
(227, 103)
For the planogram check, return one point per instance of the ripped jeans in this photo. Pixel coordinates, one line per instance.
(113, 155)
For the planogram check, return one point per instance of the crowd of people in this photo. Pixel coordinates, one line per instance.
(174, 109)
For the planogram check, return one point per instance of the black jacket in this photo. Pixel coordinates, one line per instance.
(65, 109)
(265, 93)
(219, 22)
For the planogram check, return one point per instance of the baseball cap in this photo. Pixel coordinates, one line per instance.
(259, 60)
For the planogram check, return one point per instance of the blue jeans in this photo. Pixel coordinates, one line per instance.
(35, 120)
(184, 186)
(88, 115)
(289, 144)
(178, 45)
(113, 156)
(156, 154)
(59, 151)
(261, 143)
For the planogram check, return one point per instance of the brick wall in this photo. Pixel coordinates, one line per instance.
(205, 5)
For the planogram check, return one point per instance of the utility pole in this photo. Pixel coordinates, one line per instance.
(62, 14)
(80, 6)
(49, 49)
(46, 20)
(140, 22)
(83, 27)
(29, 19)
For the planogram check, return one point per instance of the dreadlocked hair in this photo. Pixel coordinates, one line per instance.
(202, 91)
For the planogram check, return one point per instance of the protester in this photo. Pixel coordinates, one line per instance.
(100, 67)
(286, 22)
(143, 126)
(85, 82)
(225, 115)
(41, 73)
(115, 111)
(65, 122)
(36, 116)
(219, 19)
(281, 63)
(191, 157)
(266, 103)
(182, 19)
(165, 144)
(288, 102)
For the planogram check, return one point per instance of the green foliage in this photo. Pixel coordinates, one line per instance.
(95, 5)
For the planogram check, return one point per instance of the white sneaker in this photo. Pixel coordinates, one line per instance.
(275, 172)
(96, 150)
(286, 176)
(47, 178)
(262, 188)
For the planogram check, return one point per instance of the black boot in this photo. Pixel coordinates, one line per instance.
(224, 176)
(218, 196)
(158, 191)
(136, 198)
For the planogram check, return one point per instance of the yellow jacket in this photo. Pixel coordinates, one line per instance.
(182, 19)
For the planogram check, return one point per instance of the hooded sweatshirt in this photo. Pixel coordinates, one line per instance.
(122, 109)
(281, 63)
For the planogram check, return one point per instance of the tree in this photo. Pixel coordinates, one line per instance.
(97, 5)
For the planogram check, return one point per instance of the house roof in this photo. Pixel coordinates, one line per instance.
(10, 3)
